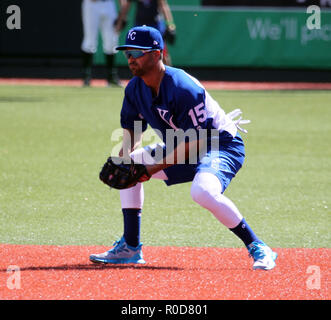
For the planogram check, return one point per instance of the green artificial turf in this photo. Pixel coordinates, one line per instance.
(54, 140)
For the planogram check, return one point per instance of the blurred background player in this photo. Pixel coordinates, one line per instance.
(153, 13)
(99, 15)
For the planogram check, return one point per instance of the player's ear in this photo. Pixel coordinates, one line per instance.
(161, 54)
(158, 55)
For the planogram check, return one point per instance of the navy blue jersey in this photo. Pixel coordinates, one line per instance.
(147, 12)
(182, 103)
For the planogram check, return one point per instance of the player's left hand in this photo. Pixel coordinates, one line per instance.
(120, 173)
(234, 114)
(170, 34)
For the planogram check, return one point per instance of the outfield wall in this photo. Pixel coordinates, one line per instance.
(207, 36)
(242, 37)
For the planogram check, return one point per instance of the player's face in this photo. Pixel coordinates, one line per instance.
(140, 62)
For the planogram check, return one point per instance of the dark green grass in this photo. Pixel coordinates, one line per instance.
(54, 140)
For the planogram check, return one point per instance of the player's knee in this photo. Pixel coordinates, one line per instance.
(205, 188)
(200, 195)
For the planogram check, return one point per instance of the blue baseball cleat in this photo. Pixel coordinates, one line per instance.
(264, 257)
(121, 253)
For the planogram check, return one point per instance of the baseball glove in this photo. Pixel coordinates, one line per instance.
(119, 174)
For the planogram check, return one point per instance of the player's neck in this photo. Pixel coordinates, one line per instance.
(154, 78)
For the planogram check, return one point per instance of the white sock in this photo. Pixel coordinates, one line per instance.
(132, 197)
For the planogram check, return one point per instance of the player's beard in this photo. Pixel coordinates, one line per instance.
(136, 70)
(143, 67)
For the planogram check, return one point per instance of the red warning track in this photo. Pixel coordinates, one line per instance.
(217, 85)
(171, 273)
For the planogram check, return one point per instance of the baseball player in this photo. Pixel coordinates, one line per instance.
(154, 13)
(172, 101)
(99, 15)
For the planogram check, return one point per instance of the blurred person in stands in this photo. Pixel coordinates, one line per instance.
(153, 13)
(100, 15)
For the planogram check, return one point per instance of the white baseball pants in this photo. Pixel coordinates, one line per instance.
(206, 190)
(99, 15)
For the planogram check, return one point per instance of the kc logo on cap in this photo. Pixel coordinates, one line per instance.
(143, 37)
(132, 35)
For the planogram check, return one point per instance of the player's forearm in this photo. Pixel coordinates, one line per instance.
(166, 11)
(124, 9)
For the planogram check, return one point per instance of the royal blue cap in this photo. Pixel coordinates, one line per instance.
(143, 37)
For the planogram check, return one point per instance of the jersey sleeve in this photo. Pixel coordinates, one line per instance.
(130, 114)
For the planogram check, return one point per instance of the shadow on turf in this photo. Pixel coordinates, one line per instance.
(100, 266)
(19, 99)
